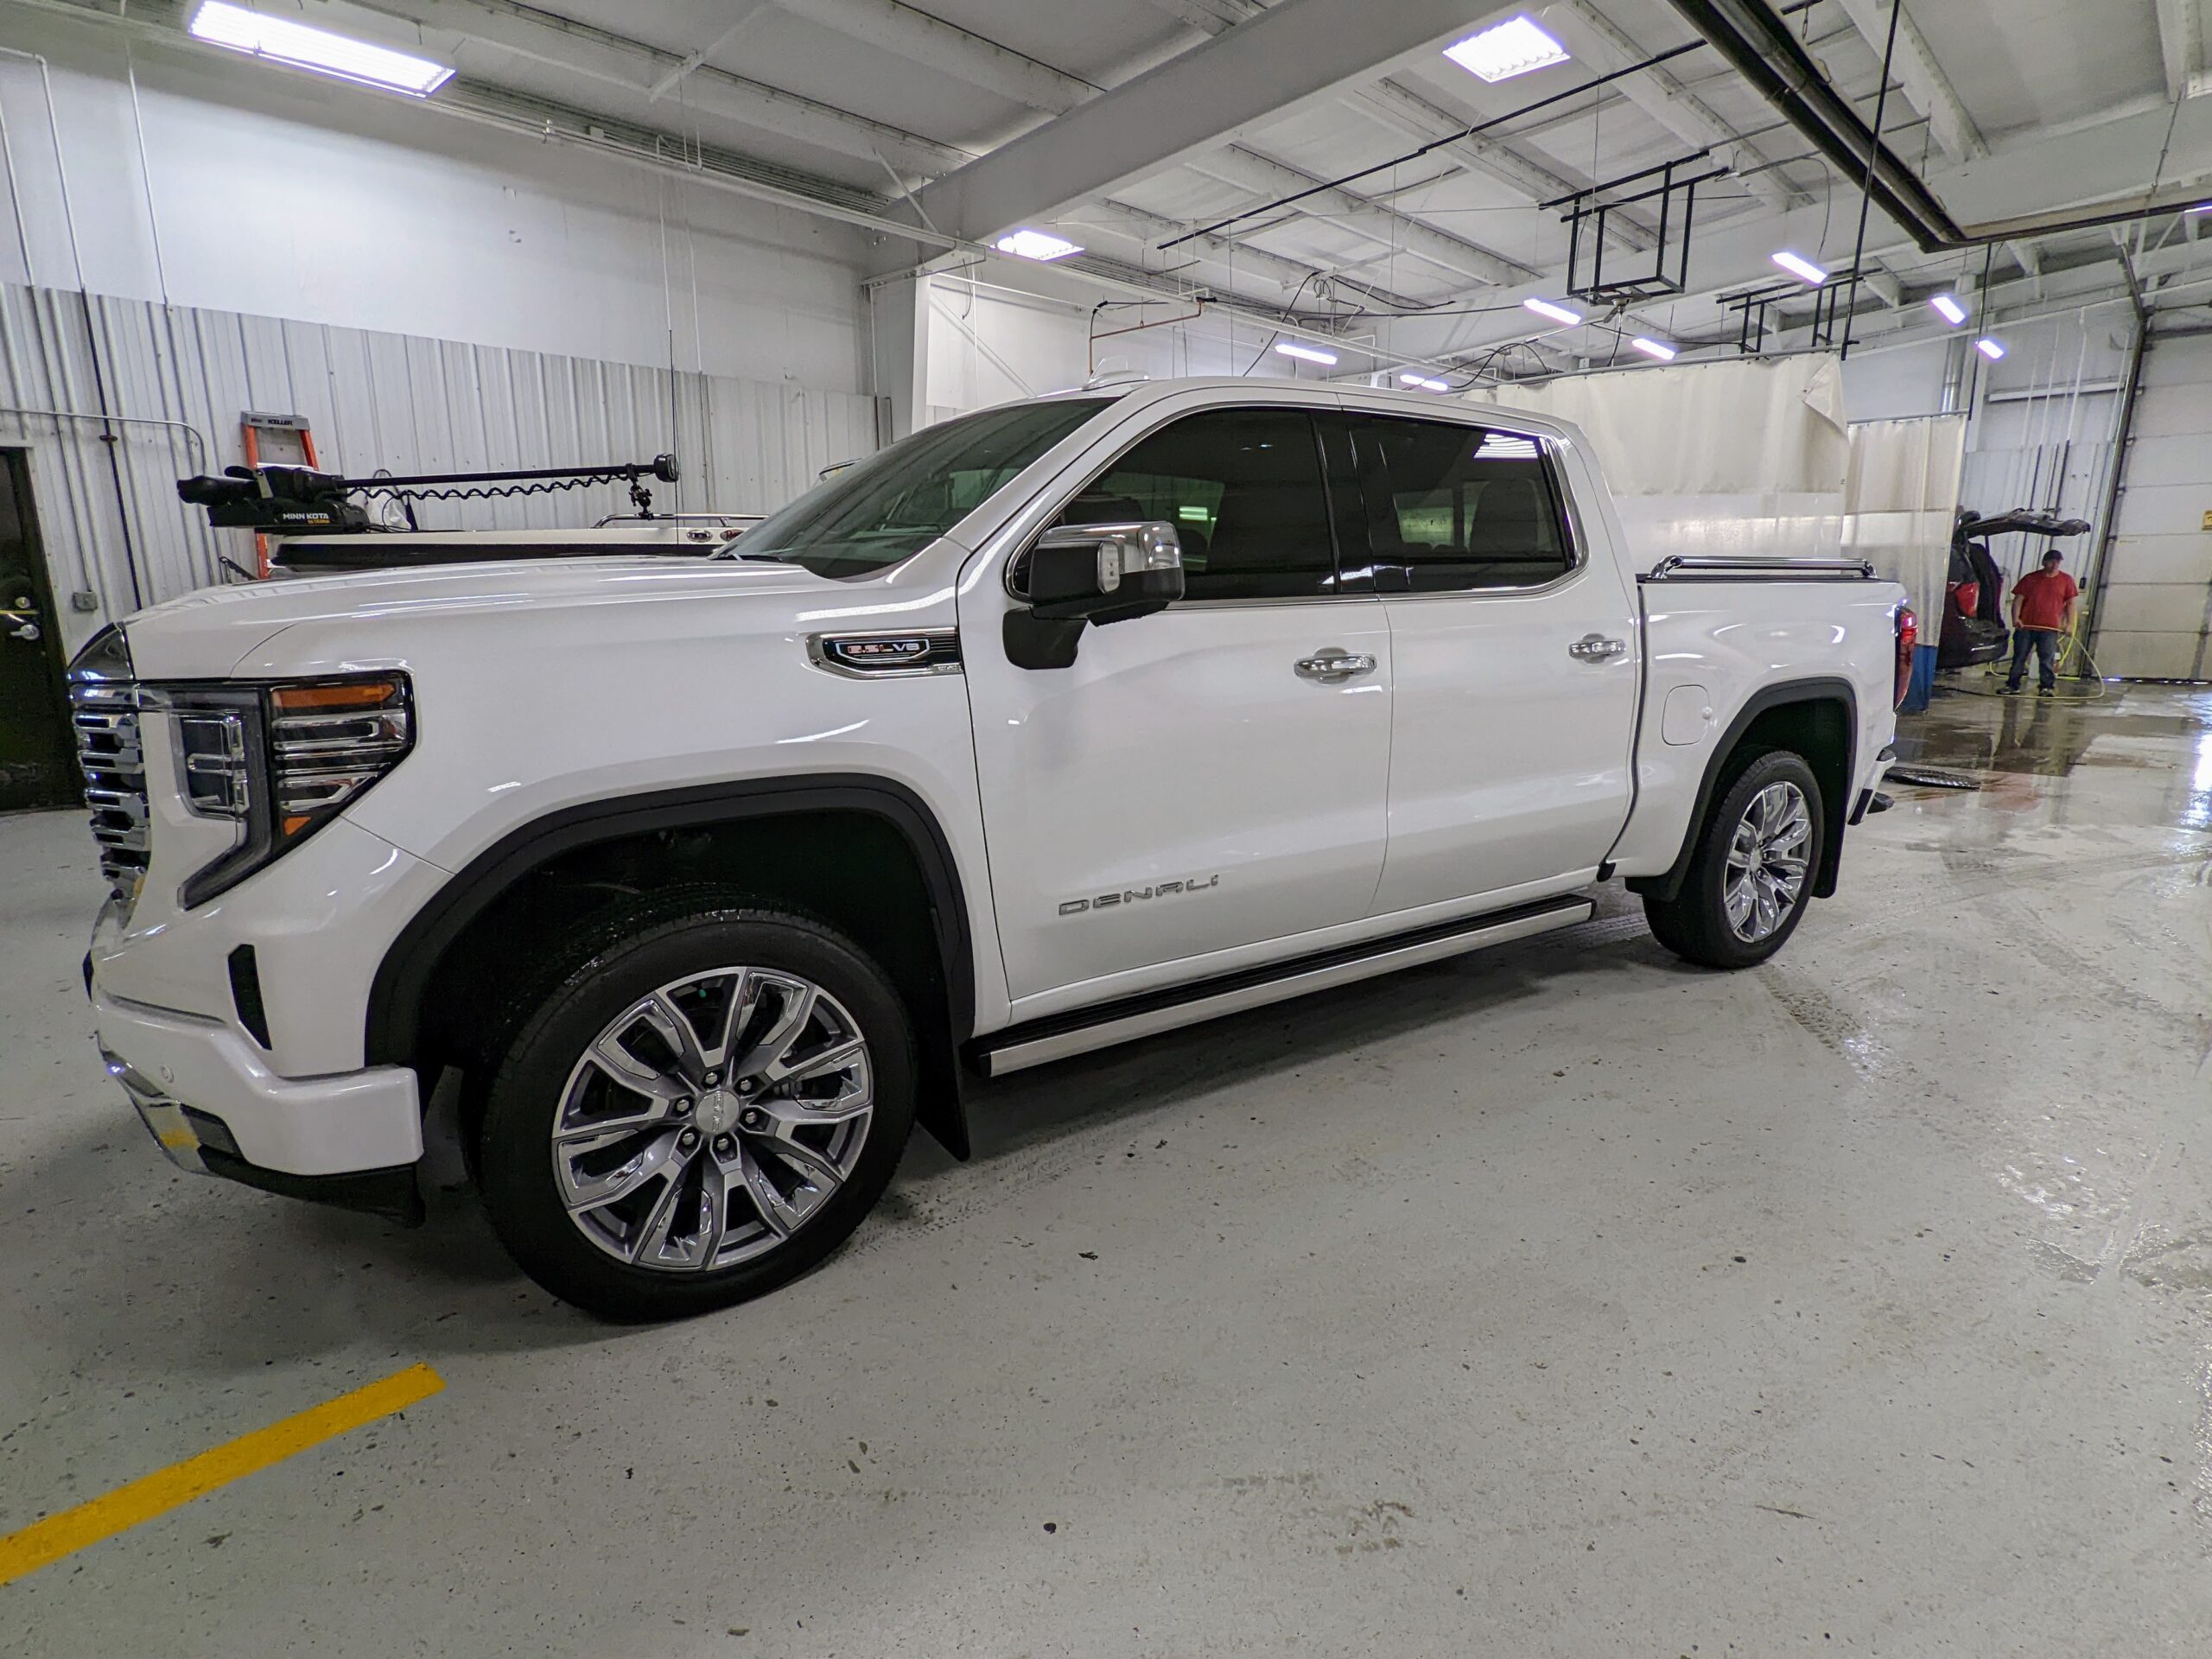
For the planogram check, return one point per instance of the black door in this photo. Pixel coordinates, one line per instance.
(38, 764)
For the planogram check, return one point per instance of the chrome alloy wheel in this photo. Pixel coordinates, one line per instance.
(1766, 861)
(712, 1118)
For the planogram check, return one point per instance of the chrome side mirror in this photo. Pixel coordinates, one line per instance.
(1078, 574)
(1105, 573)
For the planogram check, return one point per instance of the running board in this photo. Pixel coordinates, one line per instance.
(1041, 1041)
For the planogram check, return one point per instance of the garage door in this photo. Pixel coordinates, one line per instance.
(2156, 613)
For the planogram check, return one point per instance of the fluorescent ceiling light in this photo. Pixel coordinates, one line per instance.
(1514, 48)
(1657, 348)
(1036, 245)
(1556, 313)
(1410, 378)
(1802, 268)
(1946, 306)
(1305, 354)
(282, 41)
(1505, 446)
(1991, 349)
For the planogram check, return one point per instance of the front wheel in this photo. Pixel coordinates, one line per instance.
(698, 1112)
(1751, 874)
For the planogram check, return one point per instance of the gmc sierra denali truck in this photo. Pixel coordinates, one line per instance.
(702, 882)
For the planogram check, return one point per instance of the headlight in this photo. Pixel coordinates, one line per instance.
(279, 761)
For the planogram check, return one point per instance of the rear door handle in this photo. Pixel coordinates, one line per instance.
(1596, 648)
(1334, 665)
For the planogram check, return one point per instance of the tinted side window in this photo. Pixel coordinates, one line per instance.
(1244, 488)
(1451, 508)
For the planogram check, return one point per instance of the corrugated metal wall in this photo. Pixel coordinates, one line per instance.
(372, 401)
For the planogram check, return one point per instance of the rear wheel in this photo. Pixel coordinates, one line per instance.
(696, 1112)
(1751, 877)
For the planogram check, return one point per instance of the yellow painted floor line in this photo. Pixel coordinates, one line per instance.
(57, 1535)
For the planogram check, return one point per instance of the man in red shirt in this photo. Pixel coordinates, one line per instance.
(2043, 608)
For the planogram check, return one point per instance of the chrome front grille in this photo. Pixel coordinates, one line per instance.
(104, 714)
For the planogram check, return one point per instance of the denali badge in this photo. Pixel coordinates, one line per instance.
(1138, 895)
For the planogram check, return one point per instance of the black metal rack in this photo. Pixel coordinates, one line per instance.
(1677, 196)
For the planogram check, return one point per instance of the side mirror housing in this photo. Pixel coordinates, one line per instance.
(1105, 573)
(1078, 574)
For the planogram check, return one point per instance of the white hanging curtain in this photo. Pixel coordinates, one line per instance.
(1899, 501)
(1748, 456)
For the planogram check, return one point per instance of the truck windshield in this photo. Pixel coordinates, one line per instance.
(891, 505)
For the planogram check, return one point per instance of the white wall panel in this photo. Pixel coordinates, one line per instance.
(988, 344)
(239, 187)
(2154, 616)
(402, 404)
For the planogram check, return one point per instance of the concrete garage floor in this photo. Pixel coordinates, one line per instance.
(1558, 1301)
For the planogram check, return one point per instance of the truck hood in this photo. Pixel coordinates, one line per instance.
(209, 633)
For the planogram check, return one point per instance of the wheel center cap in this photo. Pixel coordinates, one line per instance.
(718, 1110)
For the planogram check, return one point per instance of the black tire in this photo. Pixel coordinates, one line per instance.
(637, 952)
(1694, 924)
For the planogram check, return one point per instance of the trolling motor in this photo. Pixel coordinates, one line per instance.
(297, 500)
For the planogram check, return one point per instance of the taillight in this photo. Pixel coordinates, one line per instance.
(1908, 637)
(1967, 595)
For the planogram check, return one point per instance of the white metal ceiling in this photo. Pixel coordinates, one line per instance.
(874, 103)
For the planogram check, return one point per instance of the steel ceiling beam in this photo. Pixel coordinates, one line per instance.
(1923, 80)
(1212, 16)
(2181, 48)
(1258, 71)
(635, 66)
(1405, 110)
(1143, 229)
(1113, 221)
(1246, 169)
(1598, 42)
(920, 38)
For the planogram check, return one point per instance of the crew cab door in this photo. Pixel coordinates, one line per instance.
(1515, 654)
(1192, 784)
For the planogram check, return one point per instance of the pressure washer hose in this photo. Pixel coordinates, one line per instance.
(2074, 650)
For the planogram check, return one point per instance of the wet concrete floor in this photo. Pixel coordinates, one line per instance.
(1560, 1300)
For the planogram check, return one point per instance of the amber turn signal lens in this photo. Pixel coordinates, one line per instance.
(335, 699)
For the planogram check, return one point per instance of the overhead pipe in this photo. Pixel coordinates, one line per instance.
(1758, 45)
(1760, 48)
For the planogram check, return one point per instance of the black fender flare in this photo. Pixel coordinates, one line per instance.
(1818, 689)
(403, 977)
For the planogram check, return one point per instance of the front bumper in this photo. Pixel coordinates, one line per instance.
(212, 1105)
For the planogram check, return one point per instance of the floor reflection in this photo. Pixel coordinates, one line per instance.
(2161, 731)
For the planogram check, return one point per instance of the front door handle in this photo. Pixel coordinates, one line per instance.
(1334, 665)
(1596, 648)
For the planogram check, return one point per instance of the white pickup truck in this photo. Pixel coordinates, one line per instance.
(702, 882)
